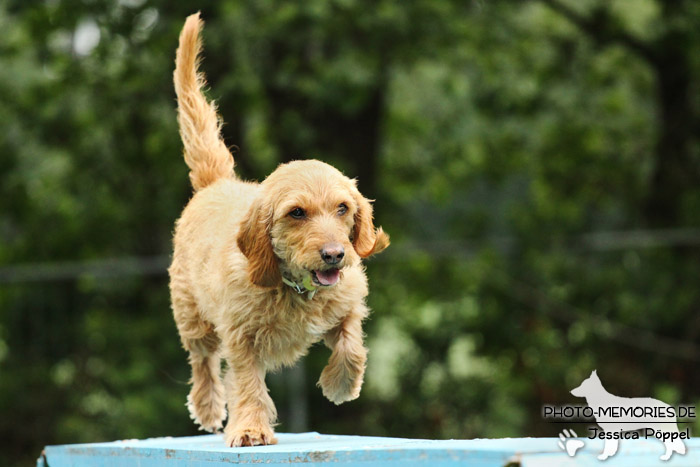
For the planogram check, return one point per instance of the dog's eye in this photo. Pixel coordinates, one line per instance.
(297, 213)
(342, 209)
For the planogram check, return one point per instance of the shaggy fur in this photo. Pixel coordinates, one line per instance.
(233, 244)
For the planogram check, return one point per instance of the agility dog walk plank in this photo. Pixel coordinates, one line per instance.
(319, 450)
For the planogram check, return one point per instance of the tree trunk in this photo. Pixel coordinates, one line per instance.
(673, 172)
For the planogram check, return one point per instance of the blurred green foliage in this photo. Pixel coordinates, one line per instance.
(537, 164)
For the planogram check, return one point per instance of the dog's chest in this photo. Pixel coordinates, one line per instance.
(286, 335)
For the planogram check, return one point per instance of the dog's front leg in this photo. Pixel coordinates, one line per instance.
(251, 410)
(609, 449)
(341, 379)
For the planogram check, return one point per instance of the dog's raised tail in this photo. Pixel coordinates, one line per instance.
(200, 127)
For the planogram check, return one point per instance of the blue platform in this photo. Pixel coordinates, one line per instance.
(313, 449)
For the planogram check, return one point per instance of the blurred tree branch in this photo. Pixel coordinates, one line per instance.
(603, 27)
(675, 170)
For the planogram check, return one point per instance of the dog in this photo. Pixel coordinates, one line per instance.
(261, 271)
(604, 405)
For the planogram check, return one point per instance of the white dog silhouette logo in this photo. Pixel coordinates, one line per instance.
(617, 415)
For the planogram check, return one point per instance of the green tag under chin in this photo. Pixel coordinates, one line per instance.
(308, 284)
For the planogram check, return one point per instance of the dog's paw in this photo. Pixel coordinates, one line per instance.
(259, 436)
(568, 442)
(339, 388)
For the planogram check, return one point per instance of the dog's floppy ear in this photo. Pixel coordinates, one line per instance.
(365, 239)
(255, 243)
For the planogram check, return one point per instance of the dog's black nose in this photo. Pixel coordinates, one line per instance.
(332, 253)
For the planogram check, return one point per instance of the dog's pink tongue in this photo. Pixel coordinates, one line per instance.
(328, 277)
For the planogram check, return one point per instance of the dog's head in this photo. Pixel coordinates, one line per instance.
(588, 386)
(309, 222)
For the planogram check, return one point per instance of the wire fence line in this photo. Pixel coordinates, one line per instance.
(99, 268)
(524, 292)
(605, 241)
(605, 328)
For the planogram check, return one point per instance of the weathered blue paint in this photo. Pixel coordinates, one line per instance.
(313, 449)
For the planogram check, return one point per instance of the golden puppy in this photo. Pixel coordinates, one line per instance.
(262, 271)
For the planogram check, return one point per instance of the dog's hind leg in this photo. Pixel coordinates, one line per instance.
(672, 446)
(206, 400)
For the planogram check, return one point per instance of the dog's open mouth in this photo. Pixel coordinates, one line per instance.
(327, 277)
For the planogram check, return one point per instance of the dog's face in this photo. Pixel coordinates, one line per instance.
(309, 223)
(588, 385)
